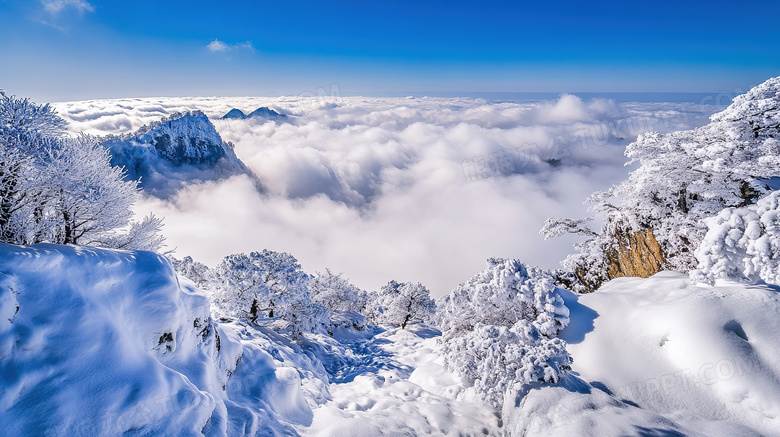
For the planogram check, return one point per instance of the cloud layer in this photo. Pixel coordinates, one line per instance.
(412, 189)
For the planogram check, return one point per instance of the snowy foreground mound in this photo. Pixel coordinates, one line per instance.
(101, 343)
(661, 354)
(98, 342)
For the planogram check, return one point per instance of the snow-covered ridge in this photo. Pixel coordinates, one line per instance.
(179, 149)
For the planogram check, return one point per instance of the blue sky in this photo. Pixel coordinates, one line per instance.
(75, 49)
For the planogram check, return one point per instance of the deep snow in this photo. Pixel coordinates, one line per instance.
(109, 342)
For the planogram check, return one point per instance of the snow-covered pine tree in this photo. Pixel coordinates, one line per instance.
(266, 284)
(505, 292)
(196, 272)
(742, 244)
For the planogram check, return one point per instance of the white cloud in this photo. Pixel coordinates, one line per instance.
(219, 46)
(377, 188)
(55, 6)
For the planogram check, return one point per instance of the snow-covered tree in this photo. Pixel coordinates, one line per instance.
(143, 235)
(59, 189)
(683, 178)
(742, 244)
(500, 327)
(88, 197)
(337, 293)
(502, 294)
(196, 272)
(266, 284)
(25, 130)
(401, 304)
(495, 360)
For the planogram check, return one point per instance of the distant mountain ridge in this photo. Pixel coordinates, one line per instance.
(177, 150)
(262, 112)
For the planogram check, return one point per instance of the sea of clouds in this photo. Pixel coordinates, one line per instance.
(411, 189)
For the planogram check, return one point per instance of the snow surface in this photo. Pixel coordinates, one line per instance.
(705, 360)
(96, 342)
(398, 386)
(106, 343)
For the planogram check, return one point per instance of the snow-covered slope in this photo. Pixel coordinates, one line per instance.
(395, 385)
(180, 149)
(662, 355)
(101, 343)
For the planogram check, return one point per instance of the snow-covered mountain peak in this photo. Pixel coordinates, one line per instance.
(184, 138)
(180, 149)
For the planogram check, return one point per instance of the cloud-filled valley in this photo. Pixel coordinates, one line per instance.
(412, 189)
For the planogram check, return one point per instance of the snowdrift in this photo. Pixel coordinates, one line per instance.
(662, 356)
(97, 342)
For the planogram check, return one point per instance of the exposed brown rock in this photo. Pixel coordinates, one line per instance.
(639, 254)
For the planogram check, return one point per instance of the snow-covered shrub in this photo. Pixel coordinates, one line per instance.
(266, 284)
(196, 272)
(502, 294)
(272, 286)
(400, 304)
(336, 293)
(59, 189)
(683, 178)
(497, 359)
(500, 327)
(742, 244)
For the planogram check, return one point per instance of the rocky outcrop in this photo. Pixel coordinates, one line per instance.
(638, 254)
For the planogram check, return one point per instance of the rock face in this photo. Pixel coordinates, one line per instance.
(639, 254)
(175, 151)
